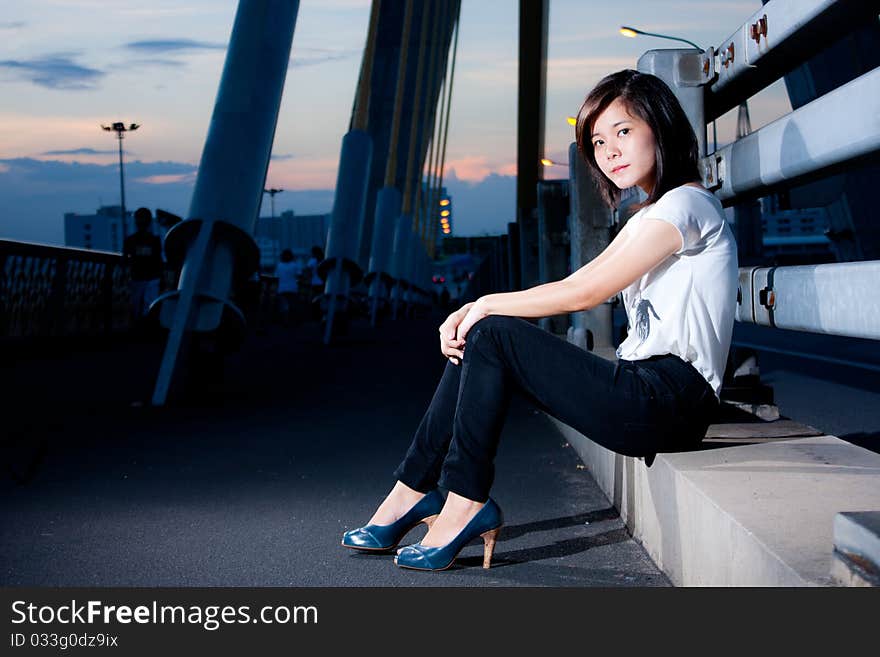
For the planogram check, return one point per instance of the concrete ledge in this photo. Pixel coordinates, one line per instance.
(759, 514)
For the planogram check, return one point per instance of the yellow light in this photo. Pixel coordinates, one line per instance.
(444, 202)
(571, 120)
(445, 213)
(546, 162)
(628, 32)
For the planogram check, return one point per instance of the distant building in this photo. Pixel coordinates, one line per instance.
(792, 237)
(299, 233)
(99, 232)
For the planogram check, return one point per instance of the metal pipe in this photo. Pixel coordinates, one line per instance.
(446, 127)
(801, 143)
(835, 299)
(779, 33)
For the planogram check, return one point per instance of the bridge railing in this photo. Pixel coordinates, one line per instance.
(831, 134)
(48, 291)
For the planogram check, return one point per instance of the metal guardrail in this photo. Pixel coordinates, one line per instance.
(803, 142)
(833, 133)
(48, 291)
(777, 36)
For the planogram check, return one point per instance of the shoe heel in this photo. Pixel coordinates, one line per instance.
(489, 546)
(430, 520)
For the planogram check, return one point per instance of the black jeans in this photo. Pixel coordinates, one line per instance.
(636, 408)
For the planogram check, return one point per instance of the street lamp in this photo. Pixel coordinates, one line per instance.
(547, 162)
(271, 193)
(632, 32)
(120, 129)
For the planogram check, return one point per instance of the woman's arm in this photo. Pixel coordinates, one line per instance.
(601, 279)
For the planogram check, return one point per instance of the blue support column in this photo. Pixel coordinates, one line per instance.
(214, 246)
(379, 279)
(340, 269)
(402, 236)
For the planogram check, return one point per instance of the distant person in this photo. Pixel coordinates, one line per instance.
(142, 254)
(317, 257)
(444, 298)
(316, 284)
(288, 272)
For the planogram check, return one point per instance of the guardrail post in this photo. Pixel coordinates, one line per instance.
(553, 259)
(590, 232)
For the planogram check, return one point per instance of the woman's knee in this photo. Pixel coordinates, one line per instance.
(494, 322)
(486, 332)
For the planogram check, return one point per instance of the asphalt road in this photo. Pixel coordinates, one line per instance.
(254, 484)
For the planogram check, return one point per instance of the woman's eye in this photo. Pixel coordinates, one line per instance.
(597, 143)
(623, 131)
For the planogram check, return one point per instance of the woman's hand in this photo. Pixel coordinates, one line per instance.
(450, 345)
(455, 329)
(475, 313)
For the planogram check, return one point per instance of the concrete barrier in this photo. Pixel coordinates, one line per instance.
(758, 513)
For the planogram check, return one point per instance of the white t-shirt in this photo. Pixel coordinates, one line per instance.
(287, 273)
(686, 304)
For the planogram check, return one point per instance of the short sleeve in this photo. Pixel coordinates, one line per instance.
(677, 207)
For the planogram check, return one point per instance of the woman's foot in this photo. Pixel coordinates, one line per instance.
(484, 523)
(456, 514)
(401, 511)
(399, 501)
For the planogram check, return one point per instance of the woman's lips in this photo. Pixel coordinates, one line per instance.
(619, 169)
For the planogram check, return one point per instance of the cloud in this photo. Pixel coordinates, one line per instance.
(476, 168)
(172, 45)
(283, 156)
(156, 61)
(168, 178)
(55, 72)
(37, 193)
(315, 56)
(80, 151)
(12, 25)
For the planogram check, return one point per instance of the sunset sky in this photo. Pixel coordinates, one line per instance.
(66, 66)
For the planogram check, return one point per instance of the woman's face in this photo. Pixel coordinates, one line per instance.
(624, 147)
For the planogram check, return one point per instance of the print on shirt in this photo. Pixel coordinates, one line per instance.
(643, 318)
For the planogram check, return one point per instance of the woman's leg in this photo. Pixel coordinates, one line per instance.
(420, 468)
(608, 402)
(418, 472)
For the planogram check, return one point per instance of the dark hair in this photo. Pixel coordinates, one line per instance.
(287, 255)
(649, 98)
(318, 252)
(142, 216)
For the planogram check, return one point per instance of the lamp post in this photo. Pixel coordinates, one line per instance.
(120, 129)
(547, 162)
(271, 193)
(632, 32)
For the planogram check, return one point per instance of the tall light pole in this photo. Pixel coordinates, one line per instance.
(271, 193)
(120, 129)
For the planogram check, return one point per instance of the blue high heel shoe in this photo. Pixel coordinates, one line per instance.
(485, 524)
(380, 538)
